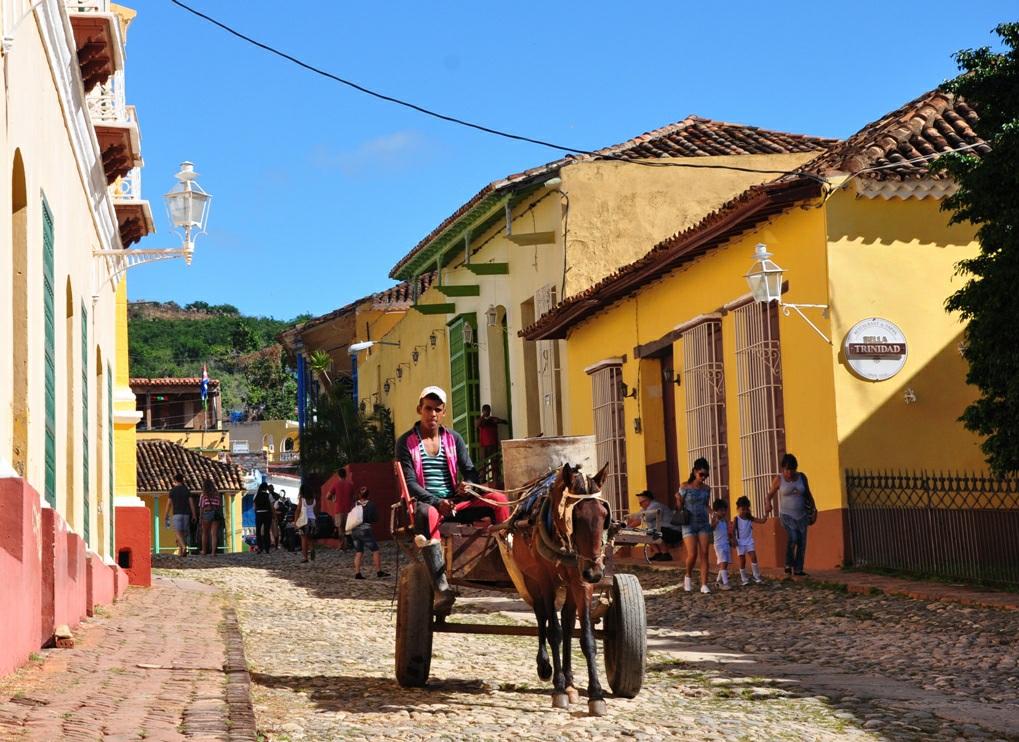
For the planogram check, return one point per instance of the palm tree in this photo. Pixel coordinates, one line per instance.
(341, 434)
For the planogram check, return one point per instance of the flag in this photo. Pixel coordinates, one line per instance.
(205, 385)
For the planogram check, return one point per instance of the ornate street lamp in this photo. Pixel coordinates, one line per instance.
(765, 281)
(187, 206)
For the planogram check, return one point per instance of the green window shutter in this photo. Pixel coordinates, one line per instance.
(85, 475)
(109, 445)
(50, 375)
(465, 391)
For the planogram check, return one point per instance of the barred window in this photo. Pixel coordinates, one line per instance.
(759, 388)
(549, 377)
(705, 401)
(610, 436)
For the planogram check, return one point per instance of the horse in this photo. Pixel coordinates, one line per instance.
(569, 557)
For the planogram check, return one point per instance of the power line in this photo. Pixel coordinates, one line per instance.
(463, 122)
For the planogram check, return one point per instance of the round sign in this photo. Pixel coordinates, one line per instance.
(875, 349)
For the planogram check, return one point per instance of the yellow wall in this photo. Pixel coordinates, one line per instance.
(619, 211)
(895, 259)
(210, 443)
(167, 541)
(380, 363)
(703, 287)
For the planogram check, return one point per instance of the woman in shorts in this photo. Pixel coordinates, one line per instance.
(695, 495)
(364, 514)
(211, 506)
(307, 503)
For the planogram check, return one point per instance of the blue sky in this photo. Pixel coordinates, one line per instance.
(319, 190)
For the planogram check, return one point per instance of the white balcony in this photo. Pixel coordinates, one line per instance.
(98, 39)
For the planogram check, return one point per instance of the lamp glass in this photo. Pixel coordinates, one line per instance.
(492, 316)
(764, 277)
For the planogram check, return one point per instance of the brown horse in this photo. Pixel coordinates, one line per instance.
(569, 557)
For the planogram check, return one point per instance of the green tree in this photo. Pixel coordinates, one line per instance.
(341, 434)
(987, 196)
(272, 387)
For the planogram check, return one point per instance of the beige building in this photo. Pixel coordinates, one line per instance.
(70, 153)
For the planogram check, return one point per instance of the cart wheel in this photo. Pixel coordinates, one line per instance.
(625, 644)
(414, 627)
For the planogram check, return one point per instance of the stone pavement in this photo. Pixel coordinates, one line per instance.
(776, 661)
(161, 664)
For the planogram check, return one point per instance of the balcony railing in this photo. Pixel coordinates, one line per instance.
(106, 102)
(87, 6)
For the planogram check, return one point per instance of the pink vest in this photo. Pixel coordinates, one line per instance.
(448, 447)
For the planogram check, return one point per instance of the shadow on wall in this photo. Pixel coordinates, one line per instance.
(872, 226)
(922, 434)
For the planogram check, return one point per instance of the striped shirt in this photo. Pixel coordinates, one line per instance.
(210, 501)
(436, 472)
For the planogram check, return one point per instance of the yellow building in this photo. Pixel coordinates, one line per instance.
(70, 148)
(671, 358)
(522, 243)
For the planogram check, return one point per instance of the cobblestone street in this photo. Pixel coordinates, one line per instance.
(776, 661)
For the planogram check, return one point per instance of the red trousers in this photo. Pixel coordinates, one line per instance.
(427, 519)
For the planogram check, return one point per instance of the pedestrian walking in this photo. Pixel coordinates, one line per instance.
(211, 506)
(361, 517)
(307, 520)
(277, 503)
(723, 546)
(694, 496)
(263, 518)
(743, 532)
(791, 498)
(182, 503)
(342, 491)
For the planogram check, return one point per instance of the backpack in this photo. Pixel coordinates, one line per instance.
(809, 506)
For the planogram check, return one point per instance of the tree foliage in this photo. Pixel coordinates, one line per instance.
(169, 340)
(988, 197)
(341, 434)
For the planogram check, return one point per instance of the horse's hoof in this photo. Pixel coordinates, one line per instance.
(597, 708)
(574, 694)
(544, 671)
(560, 701)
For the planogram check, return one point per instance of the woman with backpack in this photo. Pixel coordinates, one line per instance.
(211, 506)
(306, 520)
(791, 498)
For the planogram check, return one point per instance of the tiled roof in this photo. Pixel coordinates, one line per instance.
(694, 136)
(742, 213)
(934, 123)
(173, 381)
(158, 461)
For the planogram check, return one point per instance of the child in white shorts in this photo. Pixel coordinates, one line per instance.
(719, 519)
(743, 532)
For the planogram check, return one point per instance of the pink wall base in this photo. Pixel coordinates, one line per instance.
(134, 544)
(101, 585)
(64, 586)
(21, 570)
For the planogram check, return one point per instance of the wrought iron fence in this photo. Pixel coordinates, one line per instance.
(958, 526)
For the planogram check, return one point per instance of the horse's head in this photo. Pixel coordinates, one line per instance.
(588, 517)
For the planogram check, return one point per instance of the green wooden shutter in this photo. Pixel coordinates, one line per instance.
(465, 392)
(51, 350)
(109, 445)
(86, 476)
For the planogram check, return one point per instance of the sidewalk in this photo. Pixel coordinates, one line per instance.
(864, 582)
(164, 663)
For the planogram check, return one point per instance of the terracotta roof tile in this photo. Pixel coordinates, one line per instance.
(158, 461)
(173, 381)
(694, 136)
(930, 125)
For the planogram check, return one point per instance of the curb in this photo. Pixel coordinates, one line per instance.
(240, 712)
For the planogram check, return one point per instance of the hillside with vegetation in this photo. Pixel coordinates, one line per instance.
(255, 376)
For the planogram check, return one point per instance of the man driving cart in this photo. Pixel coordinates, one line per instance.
(436, 466)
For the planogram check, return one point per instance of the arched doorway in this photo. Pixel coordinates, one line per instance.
(19, 315)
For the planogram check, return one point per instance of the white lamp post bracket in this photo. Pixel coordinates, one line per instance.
(765, 281)
(187, 206)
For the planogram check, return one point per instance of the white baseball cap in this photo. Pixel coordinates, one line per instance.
(434, 391)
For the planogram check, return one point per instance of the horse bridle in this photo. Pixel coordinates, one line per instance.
(571, 551)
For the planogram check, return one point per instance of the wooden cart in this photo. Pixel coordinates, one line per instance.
(475, 558)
